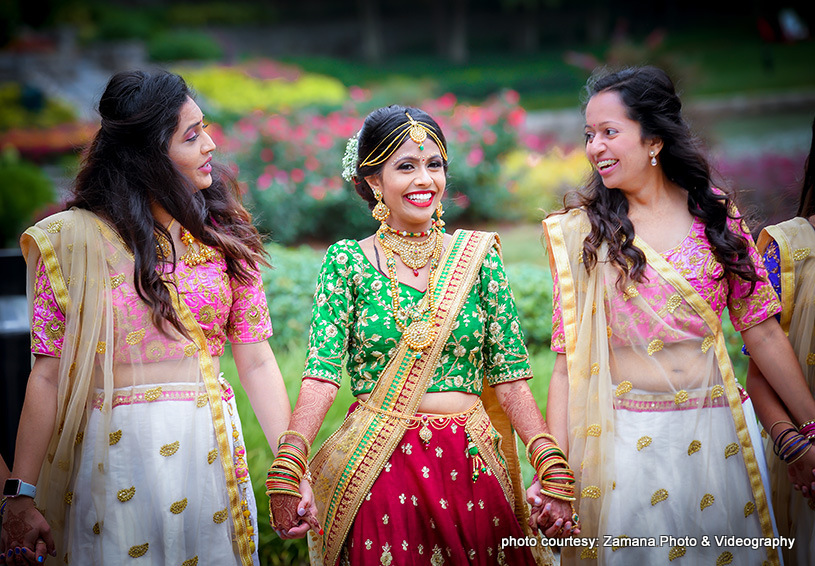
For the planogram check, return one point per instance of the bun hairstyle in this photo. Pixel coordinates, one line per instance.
(127, 168)
(650, 99)
(380, 134)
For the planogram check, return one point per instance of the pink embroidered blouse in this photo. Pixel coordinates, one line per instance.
(693, 258)
(225, 309)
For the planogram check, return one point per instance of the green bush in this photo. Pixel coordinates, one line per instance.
(180, 45)
(20, 108)
(25, 190)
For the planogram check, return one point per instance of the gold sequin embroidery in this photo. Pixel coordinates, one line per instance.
(101, 347)
(117, 280)
(220, 516)
(591, 491)
(623, 388)
(800, 254)
(630, 292)
(80, 436)
(643, 442)
(152, 394)
(707, 501)
(681, 397)
(594, 430)
(124, 495)
(54, 227)
(178, 506)
(135, 337)
(673, 303)
(115, 437)
(169, 449)
(55, 329)
(96, 529)
(716, 392)
(138, 550)
(655, 346)
(211, 456)
(206, 314)
(595, 369)
(659, 496)
(609, 332)
(202, 400)
(615, 548)
(191, 562)
(749, 508)
(707, 343)
(69, 497)
(731, 450)
(811, 359)
(588, 554)
(724, 558)
(676, 552)
(694, 447)
(189, 350)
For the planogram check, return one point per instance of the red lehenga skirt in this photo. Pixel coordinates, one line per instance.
(425, 508)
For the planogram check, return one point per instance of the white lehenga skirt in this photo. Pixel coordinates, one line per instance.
(670, 484)
(164, 498)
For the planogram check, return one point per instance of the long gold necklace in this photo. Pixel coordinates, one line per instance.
(417, 329)
(193, 257)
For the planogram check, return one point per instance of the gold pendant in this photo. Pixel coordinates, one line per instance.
(425, 433)
(419, 334)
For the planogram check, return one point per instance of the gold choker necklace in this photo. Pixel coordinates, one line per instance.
(413, 254)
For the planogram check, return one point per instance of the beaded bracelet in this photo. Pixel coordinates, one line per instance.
(808, 430)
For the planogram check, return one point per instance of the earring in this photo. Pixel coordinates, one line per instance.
(439, 211)
(653, 158)
(380, 211)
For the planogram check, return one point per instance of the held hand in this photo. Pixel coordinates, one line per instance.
(306, 513)
(553, 516)
(26, 537)
(802, 474)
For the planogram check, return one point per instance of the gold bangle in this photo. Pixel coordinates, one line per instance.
(544, 435)
(801, 455)
(299, 435)
(780, 422)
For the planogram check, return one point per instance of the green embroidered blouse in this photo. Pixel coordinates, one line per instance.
(352, 314)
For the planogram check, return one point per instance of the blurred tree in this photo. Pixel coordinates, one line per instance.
(371, 30)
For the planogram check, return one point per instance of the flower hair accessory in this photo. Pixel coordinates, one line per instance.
(349, 160)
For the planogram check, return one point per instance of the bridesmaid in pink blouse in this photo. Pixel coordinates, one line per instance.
(130, 443)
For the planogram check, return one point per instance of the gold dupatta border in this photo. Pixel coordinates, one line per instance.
(703, 309)
(49, 259)
(366, 439)
(786, 267)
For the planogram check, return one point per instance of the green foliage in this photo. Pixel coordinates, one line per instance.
(189, 14)
(25, 189)
(532, 287)
(21, 108)
(177, 45)
(117, 22)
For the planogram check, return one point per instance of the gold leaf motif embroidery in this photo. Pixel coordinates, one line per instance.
(117, 280)
(96, 529)
(800, 254)
(594, 430)
(169, 449)
(138, 550)
(63, 465)
(101, 347)
(124, 495)
(591, 491)
(588, 554)
(615, 548)
(707, 343)
(655, 346)
(220, 516)
(580, 256)
(676, 552)
(594, 308)
(724, 558)
(202, 400)
(54, 227)
(630, 292)
(673, 303)
(659, 496)
(135, 337)
(643, 442)
(609, 332)
(178, 506)
(211, 456)
(681, 397)
(694, 447)
(749, 508)
(595, 369)
(191, 562)
(189, 350)
(716, 392)
(707, 501)
(55, 329)
(152, 394)
(623, 388)
(206, 314)
(731, 450)
(253, 315)
(115, 437)
(69, 497)
(80, 436)
(811, 359)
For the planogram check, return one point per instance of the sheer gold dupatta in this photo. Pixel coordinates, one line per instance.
(115, 367)
(652, 395)
(796, 250)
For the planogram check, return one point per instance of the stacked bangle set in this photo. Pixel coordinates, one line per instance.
(793, 443)
(556, 478)
(290, 466)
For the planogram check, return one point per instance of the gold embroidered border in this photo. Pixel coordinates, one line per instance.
(369, 438)
(49, 260)
(786, 268)
(480, 429)
(704, 310)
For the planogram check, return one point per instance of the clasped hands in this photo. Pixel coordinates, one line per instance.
(292, 517)
(551, 516)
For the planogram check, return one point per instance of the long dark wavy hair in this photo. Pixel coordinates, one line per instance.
(380, 127)
(651, 100)
(127, 167)
(806, 205)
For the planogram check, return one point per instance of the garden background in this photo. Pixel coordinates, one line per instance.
(284, 84)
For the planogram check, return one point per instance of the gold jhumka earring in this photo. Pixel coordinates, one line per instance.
(380, 211)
